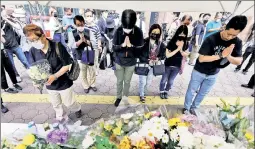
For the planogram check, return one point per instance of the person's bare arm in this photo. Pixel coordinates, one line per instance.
(13, 24)
(170, 54)
(62, 71)
(214, 29)
(235, 60)
(206, 58)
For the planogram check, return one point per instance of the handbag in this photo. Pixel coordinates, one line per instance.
(74, 72)
(103, 59)
(88, 56)
(159, 70)
(141, 69)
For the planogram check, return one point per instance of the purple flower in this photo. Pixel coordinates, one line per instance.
(58, 136)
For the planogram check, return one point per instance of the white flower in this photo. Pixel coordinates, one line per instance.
(135, 137)
(174, 135)
(87, 142)
(231, 116)
(127, 116)
(165, 138)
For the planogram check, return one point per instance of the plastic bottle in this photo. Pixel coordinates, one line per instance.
(32, 128)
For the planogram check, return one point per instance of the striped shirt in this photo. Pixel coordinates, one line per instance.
(95, 35)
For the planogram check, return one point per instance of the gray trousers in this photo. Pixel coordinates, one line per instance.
(124, 76)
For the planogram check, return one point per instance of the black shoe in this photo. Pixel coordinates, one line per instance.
(193, 112)
(245, 72)
(117, 102)
(246, 86)
(86, 91)
(78, 114)
(252, 95)
(191, 64)
(162, 95)
(236, 70)
(4, 109)
(17, 87)
(11, 90)
(94, 89)
(185, 111)
(142, 99)
(166, 95)
(110, 66)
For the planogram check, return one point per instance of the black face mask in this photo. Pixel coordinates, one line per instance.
(55, 14)
(155, 36)
(181, 38)
(110, 29)
(205, 21)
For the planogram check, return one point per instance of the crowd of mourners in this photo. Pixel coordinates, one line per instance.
(209, 46)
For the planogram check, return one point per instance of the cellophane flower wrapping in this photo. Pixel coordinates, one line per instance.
(39, 73)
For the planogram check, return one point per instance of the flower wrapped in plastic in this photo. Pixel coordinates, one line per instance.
(39, 73)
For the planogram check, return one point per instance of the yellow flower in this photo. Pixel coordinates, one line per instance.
(125, 143)
(249, 136)
(119, 124)
(29, 139)
(108, 127)
(174, 121)
(21, 146)
(117, 131)
(147, 115)
(182, 124)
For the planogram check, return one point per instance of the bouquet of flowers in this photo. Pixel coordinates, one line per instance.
(234, 123)
(39, 73)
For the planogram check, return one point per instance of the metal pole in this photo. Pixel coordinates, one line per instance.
(222, 6)
(247, 9)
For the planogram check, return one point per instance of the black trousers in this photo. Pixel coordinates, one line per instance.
(251, 60)
(251, 82)
(6, 66)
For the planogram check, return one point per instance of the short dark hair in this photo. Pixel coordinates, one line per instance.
(79, 18)
(217, 13)
(155, 26)
(89, 10)
(207, 14)
(177, 13)
(66, 9)
(185, 16)
(200, 15)
(238, 22)
(3, 6)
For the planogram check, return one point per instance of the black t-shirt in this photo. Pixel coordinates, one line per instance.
(10, 37)
(213, 45)
(63, 82)
(175, 60)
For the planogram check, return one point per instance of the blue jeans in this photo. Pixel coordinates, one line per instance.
(168, 78)
(21, 56)
(200, 83)
(144, 82)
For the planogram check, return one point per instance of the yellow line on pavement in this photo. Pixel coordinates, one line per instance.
(99, 99)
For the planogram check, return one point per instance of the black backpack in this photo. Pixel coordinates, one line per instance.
(74, 73)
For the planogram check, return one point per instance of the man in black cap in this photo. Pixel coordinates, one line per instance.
(127, 41)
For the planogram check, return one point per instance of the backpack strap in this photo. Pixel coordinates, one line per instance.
(57, 50)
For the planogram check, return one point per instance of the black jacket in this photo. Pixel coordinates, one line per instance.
(127, 56)
(145, 52)
(78, 51)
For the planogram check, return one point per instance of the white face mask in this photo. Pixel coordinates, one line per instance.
(218, 20)
(80, 29)
(127, 30)
(37, 44)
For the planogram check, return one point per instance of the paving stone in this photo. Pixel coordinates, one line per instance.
(29, 114)
(40, 119)
(7, 117)
(42, 106)
(16, 120)
(95, 113)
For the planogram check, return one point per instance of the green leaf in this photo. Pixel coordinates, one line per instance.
(238, 101)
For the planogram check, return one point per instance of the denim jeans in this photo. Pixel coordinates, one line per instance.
(200, 83)
(144, 82)
(168, 78)
(21, 56)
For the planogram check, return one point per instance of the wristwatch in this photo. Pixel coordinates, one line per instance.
(220, 55)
